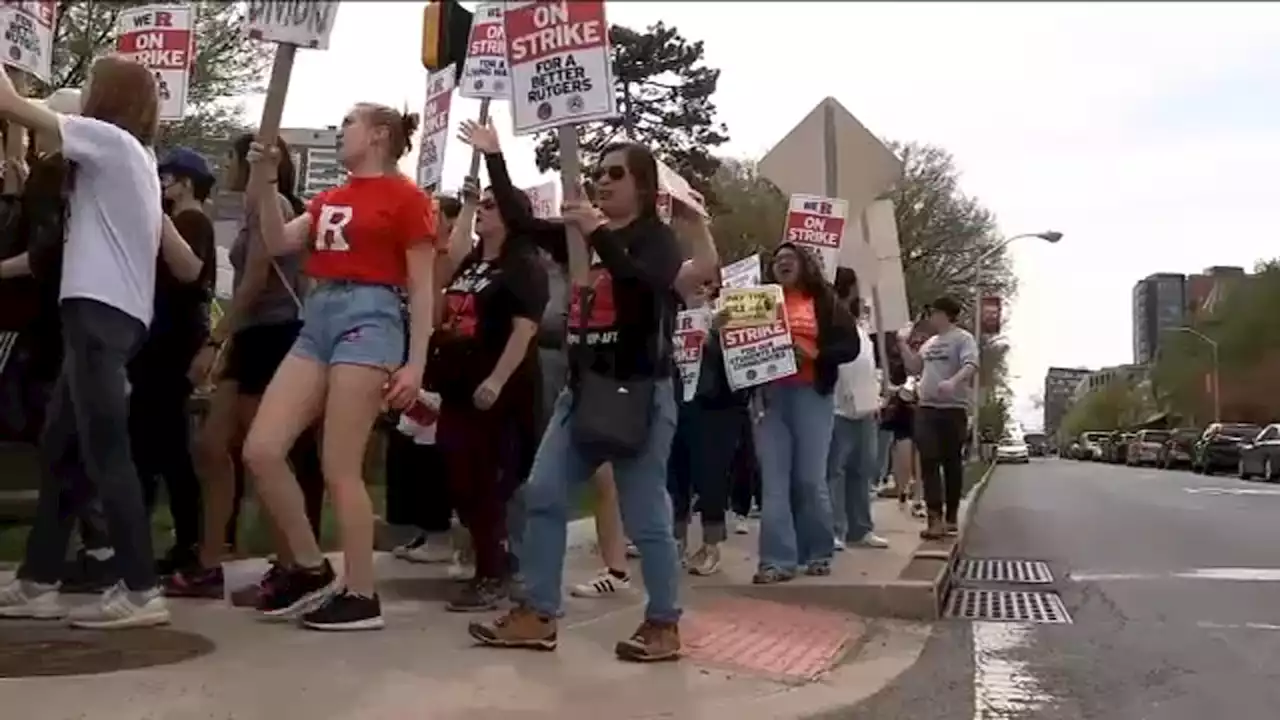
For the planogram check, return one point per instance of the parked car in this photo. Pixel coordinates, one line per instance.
(1090, 445)
(1145, 447)
(1117, 447)
(1219, 446)
(1261, 456)
(1012, 450)
(1178, 449)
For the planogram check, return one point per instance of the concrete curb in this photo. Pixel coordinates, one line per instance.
(956, 550)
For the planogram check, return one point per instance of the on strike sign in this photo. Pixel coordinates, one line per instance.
(27, 40)
(692, 327)
(305, 23)
(484, 73)
(159, 38)
(560, 65)
(435, 128)
(817, 225)
(756, 337)
(543, 200)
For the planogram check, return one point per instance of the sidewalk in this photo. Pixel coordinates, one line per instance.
(749, 654)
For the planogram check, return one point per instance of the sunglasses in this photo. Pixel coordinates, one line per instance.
(614, 172)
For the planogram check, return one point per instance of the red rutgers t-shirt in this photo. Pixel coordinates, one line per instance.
(360, 231)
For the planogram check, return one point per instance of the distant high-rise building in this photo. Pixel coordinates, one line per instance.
(1059, 387)
(1159, 305)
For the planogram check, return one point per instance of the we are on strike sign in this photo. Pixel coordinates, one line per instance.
(558, 52)
(816, 224)
(159, 38)
(484, 72)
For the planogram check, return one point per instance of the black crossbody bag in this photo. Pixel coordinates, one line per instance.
(610, 418)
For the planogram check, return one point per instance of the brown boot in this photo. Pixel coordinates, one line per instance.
(651, 642)
(936, 529)
(520, 628)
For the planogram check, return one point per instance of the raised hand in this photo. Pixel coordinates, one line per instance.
(470, 192)
(481, 137)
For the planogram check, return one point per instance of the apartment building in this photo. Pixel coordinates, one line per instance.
(1059, 389)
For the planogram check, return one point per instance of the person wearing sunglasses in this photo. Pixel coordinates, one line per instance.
(622, 336)
(796, 417)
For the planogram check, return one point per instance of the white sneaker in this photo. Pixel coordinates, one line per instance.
(429, 552)
(633, 552)
(839, 545)
(30, 601)
(461, 567)
(740, 526)
(606, 583)
(116, 610)
(872, 540)
(402, 551)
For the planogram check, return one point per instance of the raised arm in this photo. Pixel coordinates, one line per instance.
(279, 237)
(460, 238)
(704, 261)
(186, 245)
(29, 114)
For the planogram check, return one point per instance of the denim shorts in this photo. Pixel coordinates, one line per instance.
(349, 323)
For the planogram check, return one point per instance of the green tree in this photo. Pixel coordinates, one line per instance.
(993, 416)
(227, 64)
(1115, 406)
(749, 213)
(664, 94)
(1244, 326)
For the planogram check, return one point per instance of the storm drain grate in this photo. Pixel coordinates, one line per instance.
(1007, 606)
(1015, 572)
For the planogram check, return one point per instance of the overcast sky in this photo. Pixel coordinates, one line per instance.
(1145, 132)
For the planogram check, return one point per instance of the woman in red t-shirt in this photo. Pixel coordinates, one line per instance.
(369, 239)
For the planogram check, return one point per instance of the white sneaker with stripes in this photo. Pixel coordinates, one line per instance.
(606, 583)
(118, 609)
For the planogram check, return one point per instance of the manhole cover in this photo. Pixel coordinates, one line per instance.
(1015, 572)
(43, 651)
(1007, 606)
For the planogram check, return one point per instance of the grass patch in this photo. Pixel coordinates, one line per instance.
(973, 472)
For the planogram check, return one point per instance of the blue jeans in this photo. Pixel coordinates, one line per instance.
(884, 453)
(851, 468)
(642, 498)
(792, 440)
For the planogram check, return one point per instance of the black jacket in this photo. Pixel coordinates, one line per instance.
(838, 341)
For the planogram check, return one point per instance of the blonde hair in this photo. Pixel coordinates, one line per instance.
(400, 127)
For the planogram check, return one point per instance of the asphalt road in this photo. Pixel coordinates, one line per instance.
(1173, 583)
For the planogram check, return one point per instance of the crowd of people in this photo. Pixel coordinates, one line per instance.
(375, 301)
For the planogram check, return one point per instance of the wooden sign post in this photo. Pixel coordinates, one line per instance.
(290, 25)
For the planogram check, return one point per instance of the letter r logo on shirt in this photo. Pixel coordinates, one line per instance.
(329, 230)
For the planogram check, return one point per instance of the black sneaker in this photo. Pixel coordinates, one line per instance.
(346, 611)
(298, 591)
(479, 595)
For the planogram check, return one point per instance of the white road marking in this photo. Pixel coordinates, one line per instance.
(1219, 573)
(1231, 491)
(1237, 626)
(1004, 687)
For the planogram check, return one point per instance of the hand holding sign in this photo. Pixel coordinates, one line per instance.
(482, 137)
(470, 190)
(582, 215)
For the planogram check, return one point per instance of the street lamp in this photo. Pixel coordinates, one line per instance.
(1213, 348)
(1049, 236)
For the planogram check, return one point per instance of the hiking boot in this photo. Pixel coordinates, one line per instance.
(936, 529)
(197, 583)
(479, 595)
(652, 642)
(519, 628)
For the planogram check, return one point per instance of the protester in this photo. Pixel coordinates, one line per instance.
(159, 416)
(947, 363)
(115, 228)
(255, 333)
(744, 483)
(418, 494)
(793, 432)
(851, 463)
(485, 365)
(710, 425)
(898, 420)
(368, 238)
(620, 339)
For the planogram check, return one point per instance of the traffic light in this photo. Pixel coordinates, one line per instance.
(446, 30)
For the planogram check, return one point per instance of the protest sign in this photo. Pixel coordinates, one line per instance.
(435, 128)
(300, 23)
(560, 67)
(692, 327)
(27, 40)
(743, 273)
(672, 187)
(160, 38)
(817, 225)
(543, 199)
(756, 338)
(484, 72)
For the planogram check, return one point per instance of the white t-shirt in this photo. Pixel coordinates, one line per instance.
(857, 389)
(113, 218)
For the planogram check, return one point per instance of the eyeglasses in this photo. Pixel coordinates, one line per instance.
(615, 172)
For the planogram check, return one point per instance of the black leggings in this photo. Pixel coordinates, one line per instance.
(160, 439)
(417, 485)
